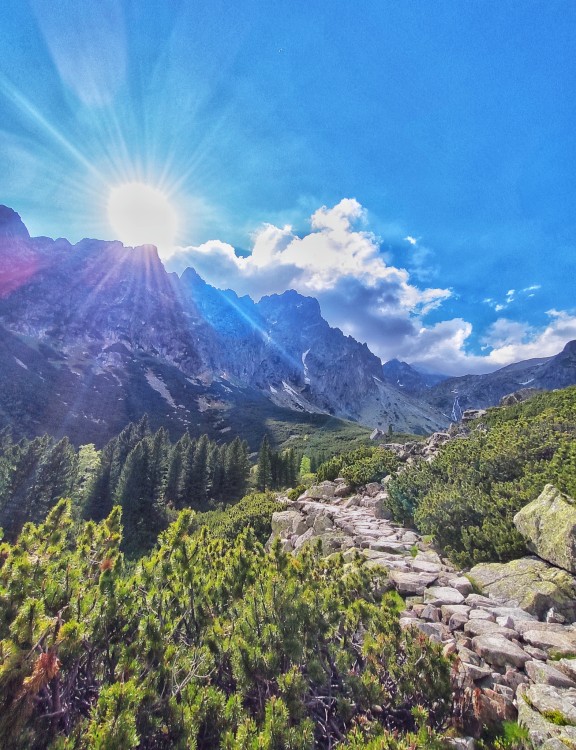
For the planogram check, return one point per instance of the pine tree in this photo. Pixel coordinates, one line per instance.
(143, 512)
(264, 468)
(174, 460)
(188, 448)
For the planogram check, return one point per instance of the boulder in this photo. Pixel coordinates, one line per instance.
(544, 734)
(334, 541)
(554, 643)
(529, 583)
(546, 674)
(552, 702)
(286, 522)
(322, 523)
(568, 666)
(372, 489)
(477, 627)
(461, 584)
(549, 526)
(439, 595)
(499, 651)
(343, 490)
(491, 709)
(322, 491)
(411, 583)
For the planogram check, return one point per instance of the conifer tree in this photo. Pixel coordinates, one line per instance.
(143, 511)
(200, 472)
(188, 449)
(264, 467)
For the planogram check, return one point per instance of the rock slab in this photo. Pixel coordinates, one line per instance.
(549, 526)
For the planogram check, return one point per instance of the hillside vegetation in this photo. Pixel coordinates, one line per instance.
(468, 495)
(206, 643)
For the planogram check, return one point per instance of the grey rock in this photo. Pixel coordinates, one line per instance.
(499, 651)
(546, 674)
(549, 700)
(342, 490)
(535, 653)
(286, 521)
(568, 666)
(424, 566)
(431, 613)
(411, 583)
(531, 584)
(322, 523)
(321, 491)
(482, 614)
(475, 628)
(461, 584)
(549, 526)
(457, 622)
(554, 643)
(440, 595)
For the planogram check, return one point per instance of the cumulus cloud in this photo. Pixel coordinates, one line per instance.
(341, 263)
(442, 348)
(338, 262)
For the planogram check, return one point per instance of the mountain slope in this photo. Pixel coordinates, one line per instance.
(95, 334)
(454, 395)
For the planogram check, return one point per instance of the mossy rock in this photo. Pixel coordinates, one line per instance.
(531, 584)
(549, 526)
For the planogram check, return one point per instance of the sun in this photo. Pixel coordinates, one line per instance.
(140, 214)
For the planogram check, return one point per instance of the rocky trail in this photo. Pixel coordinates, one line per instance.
(514, 654)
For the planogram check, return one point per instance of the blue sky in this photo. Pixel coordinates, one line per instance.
(448, 122)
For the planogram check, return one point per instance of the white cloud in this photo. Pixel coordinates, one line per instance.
(442, 347)
(511, 296)
(341, 264)
(335, 258)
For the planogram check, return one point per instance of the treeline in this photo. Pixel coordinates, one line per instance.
(276, 469)
(34, 474)
(147, 475)
(150, 477)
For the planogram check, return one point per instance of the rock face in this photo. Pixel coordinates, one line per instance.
(549, 526)
(508, 385)
(96, 316)
(531, 584)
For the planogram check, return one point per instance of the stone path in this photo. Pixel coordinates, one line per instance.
(508, 663)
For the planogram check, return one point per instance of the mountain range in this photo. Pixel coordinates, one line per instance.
(96, 334)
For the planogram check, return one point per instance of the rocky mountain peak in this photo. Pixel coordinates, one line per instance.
(11, 225)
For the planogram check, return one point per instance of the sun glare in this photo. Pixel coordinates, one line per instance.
(142, 215)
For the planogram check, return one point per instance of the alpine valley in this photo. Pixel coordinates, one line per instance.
(95, 335)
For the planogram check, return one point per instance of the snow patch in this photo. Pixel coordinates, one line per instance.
(160, 387)
(19, 362)
(304, 355)
(527, 381)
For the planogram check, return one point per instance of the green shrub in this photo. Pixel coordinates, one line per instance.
(467, 497)
(253, 511)
(206, 643)
(295, 493)
(361, 466)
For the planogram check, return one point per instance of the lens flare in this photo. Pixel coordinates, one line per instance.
(140, 214)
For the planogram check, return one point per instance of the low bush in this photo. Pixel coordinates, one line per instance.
(358, 467)
(205, 643)
(466, 498)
